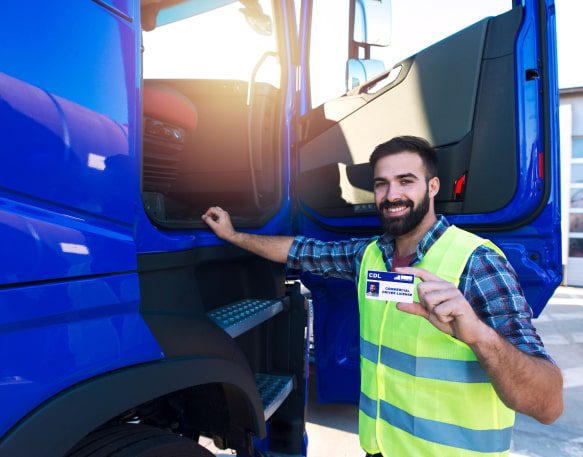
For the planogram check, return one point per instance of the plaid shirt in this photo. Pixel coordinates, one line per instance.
(488, 282)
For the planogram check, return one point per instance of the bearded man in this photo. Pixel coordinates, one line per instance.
(441, 376)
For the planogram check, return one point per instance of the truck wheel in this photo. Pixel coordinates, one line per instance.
(129, 440)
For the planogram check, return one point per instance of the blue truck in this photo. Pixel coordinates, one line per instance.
(126, 327)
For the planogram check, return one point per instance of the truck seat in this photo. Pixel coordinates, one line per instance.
(169, 117)
(168, 105)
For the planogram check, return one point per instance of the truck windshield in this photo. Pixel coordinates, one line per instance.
(218, 44)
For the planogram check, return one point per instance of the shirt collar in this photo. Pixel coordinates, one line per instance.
(386, 242)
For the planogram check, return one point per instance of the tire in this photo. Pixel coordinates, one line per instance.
(129, 440)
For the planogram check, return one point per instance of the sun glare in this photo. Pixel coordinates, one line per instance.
(219, 44)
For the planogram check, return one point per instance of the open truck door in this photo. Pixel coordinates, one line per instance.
(485, 97)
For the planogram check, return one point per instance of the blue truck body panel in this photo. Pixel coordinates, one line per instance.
(60, 334)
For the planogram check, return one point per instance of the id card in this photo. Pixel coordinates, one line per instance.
(382, 285)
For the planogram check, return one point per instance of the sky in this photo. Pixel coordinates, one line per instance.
(570, 42)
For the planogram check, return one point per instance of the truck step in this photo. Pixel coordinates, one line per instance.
(274, 390)
(236, 318)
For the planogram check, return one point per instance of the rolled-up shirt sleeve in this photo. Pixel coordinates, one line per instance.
(330, 259)
(493, 290)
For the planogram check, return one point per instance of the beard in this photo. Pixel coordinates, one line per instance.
(397, 226)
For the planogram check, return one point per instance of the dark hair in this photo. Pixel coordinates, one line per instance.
(408, 144)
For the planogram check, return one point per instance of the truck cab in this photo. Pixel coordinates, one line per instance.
(126, 324)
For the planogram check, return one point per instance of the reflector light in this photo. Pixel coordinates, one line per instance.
(459, 187)
(541, 165)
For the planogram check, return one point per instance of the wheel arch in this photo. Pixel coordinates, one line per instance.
(82, 408)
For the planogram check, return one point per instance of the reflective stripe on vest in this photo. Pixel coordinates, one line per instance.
(425, 367)
(423, 392)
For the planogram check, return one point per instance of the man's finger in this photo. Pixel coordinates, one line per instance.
(425, 289)
(437, 296)
(211, 212)
(413, 308)
(430, 286)
(420, 273)
(450, 308)
(209, 220)
(445, 317)
(216, 214)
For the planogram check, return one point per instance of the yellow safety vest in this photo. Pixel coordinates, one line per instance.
(423, 393)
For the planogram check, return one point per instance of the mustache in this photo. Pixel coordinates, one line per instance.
(389, 205)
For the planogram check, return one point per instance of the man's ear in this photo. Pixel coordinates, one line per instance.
(433, 186)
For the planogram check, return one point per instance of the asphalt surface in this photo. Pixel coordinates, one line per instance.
(333, 429)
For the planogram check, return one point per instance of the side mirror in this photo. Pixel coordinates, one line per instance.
(358, 71)
(372, 22)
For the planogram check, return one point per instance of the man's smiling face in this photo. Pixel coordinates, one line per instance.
(403, 196)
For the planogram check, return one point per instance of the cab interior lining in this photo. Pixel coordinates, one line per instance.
(458, 95)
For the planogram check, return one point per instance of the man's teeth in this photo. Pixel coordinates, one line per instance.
(397, 209)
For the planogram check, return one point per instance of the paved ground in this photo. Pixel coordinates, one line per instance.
(333, 428)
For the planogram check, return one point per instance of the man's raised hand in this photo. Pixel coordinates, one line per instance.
(273, 248)
(442, 304)
(220, 222)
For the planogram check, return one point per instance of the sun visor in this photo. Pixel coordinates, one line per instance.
(177, 12)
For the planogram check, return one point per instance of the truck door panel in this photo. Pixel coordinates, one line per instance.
(459, 94)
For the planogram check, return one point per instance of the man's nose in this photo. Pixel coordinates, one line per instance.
(393, 194)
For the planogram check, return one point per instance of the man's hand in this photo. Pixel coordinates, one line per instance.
(273, 248)
(528, 384)
(220, 222)
(443, 304)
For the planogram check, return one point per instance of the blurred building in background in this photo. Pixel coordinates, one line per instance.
(571, 121)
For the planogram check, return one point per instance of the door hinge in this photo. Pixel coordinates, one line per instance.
(532, 74)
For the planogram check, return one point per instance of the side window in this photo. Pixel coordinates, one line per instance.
(415, 25)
